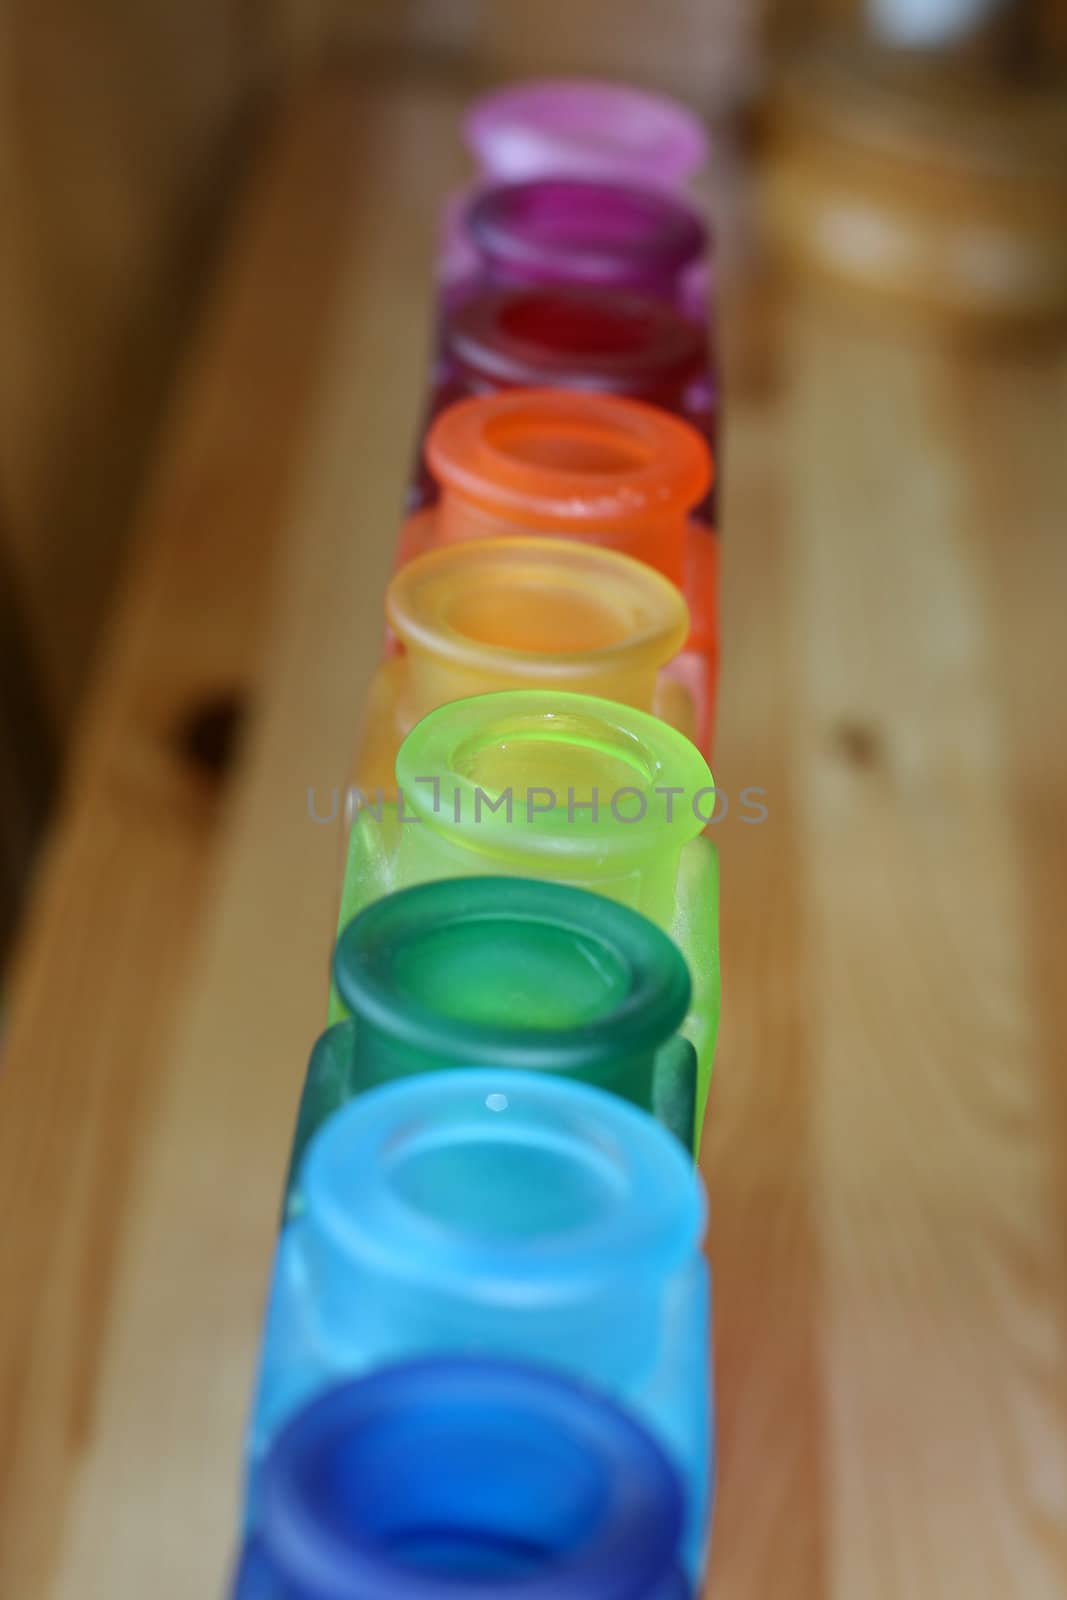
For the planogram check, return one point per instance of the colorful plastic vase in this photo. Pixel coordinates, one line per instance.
(595, 468)
(573, 339)
(570, 338)
(510, 1213)
(506, 972)
(525, 612)
(584, 127)
(578, 128)
(460, 1479)
(568, 232)
(564, 787)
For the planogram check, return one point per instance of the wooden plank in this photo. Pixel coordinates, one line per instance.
(103, 961)
(27, 758)
(769, 1528)
(886, 1152)
(934, 1153)
(887, 1135)
(179, 1356)
(122, 129)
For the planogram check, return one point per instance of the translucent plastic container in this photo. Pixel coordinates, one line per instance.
(581, 339)
(562, 787)
(461, 1479)
(508, 1213)
(595, 468)
(506, 972)
(516, 613)
(574, 338)
(576, 128)
(585, 126)
(579, 129)
(582, 233)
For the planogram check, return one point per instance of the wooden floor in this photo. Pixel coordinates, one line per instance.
(888, 1128)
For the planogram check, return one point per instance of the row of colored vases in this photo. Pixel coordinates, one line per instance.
(485, 1358)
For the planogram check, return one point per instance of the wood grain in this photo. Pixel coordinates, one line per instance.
(100, 979)
(939, 1204)
(928, 186)
(887, 1150)
(121, 130)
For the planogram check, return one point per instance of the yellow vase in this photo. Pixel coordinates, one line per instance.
(522, 613)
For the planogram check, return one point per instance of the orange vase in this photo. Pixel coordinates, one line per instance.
(595, 468)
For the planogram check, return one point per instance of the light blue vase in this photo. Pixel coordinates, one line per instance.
(498, 1213)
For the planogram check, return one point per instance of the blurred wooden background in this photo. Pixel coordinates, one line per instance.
(122, 130)
(887, 1140)
(121, 127)
(199, 493)
(198, 496)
